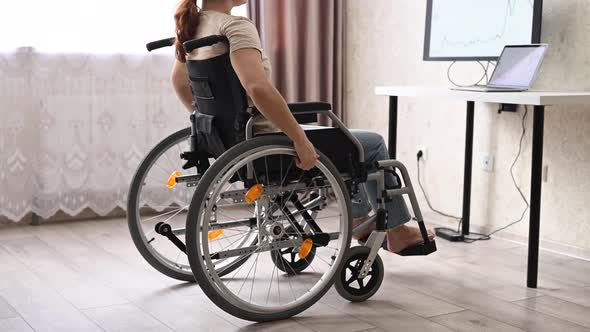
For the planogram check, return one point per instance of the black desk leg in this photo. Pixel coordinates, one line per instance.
(468, 168)
(392, 127)
(536, 183)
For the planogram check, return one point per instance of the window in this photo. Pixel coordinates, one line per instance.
(92, 26)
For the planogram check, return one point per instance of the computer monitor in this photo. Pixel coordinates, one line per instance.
(478, 30)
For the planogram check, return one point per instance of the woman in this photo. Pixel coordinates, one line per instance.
(253, 69)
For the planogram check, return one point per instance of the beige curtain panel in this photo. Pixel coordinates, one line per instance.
(304, 40)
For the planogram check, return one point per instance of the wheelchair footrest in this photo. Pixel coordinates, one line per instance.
(422, 249)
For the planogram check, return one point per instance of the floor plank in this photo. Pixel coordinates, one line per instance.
(13, 232)
(552, 266)
(559, 308)
(40, 306)
(468, 321)
(508, 286)
(415, 302)
(323, 318)
(392, 295)
(75, 286)
(478, 301)
(383, 315)
(504, 274)
(130, 281)
(289, 325)
(124, 318)
(8, 262)
(15, 324)
(579, 296)
(185, 313)
(88, 276)
(6, 311)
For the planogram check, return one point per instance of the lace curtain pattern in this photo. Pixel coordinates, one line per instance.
(75, 127)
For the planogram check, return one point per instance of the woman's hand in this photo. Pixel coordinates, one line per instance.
(306, 154)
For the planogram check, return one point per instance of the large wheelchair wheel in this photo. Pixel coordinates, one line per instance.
(156, 211)
(273, 191)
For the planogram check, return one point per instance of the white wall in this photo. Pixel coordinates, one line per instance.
(384, 47)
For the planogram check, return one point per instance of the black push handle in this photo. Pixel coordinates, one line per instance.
(160, 44)
(191, 45)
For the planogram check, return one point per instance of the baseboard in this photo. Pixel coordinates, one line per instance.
(549, 246)
(86, 214)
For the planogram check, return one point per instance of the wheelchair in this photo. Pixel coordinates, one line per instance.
(264, 239)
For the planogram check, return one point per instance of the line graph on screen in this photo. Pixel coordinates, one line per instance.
(479, 27)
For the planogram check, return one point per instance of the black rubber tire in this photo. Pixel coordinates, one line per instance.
(134, 189)
(192, 229)
(132, 216)
(354, 254)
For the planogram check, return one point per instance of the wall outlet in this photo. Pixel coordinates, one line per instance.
(487, 163)
(424, 152)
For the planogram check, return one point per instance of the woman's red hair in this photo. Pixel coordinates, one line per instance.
(187, 20)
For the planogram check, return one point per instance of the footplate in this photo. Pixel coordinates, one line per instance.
(423, 249)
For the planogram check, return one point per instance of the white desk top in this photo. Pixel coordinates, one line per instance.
(541, 98)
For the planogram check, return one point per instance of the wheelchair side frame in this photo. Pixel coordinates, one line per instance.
(375, 241)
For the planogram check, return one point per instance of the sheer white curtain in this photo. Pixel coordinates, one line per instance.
(80, 101)
(92, 26)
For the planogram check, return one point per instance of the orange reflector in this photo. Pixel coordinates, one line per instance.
(254, 193)
(216, 234)
(305, 249)
(171, 183)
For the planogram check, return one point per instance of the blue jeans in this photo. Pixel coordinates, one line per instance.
(362, 203)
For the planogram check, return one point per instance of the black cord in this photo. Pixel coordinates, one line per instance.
(485, 237)
(459, 219)
(484, 76)
(488, 70)
(522, 195)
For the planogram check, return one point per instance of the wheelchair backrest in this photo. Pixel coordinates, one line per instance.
(218, 92)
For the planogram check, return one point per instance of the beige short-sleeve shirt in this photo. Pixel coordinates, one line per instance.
(240, 32)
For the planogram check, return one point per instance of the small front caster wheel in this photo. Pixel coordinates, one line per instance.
(348, 284)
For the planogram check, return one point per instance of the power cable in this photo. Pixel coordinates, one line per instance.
(484, 237)
(485, 75)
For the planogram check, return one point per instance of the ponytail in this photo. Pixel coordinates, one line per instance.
(187, 20)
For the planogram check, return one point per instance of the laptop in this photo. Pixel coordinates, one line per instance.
(516, 70)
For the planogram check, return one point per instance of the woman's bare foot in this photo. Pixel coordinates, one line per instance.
(365, 232)
(403, 237)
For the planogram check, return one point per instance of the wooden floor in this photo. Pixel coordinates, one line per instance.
(88, 276)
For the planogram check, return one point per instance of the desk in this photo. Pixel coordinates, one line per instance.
(538, 99)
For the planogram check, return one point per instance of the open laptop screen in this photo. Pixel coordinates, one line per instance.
(518, 66)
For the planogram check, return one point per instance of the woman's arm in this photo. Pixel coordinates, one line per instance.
(181, 84)
(247, 63)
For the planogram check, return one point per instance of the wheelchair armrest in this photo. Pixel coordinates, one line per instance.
(304, 112)
(315, 107)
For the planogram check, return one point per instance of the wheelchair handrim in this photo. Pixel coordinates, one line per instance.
(174, 265)
(181, 268)
(205, 215)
